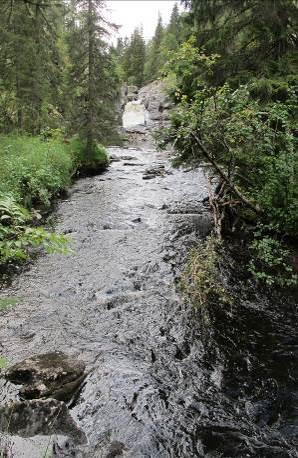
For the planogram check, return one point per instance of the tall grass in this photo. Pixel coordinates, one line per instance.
(32, 172)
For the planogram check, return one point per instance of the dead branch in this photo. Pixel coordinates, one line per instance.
(224, 177)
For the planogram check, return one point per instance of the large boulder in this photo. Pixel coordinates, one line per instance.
(39, 417)
(51, 375)
(156, 101)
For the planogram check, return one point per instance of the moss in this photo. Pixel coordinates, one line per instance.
(94, 164)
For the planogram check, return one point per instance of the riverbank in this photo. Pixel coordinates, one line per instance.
(34, 171)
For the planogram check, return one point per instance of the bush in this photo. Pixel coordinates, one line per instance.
(270, 257)
(35, 170)
(17, 237)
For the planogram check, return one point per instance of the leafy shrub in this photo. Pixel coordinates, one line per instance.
(270, 259)
(3, 362)
(34, 171)
(246, 134)
(252, 143)
(17, 237)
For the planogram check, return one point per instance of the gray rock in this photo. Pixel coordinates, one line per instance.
(51, 375)
(154, 172)
(39, 417)
(156, 101)
(132, 93)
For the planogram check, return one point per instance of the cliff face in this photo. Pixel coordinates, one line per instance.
(156, 101)
(145, 108)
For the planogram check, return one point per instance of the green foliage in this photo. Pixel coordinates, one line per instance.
(34, 171)
(140, 63)
(201, 281)
(132, 59)
(270, 261)
(254, 37)
(91, 76)
(8, 302)
(236, 97)
(50, 78)
(3, 362)
(17, 238)
(94, 164)
(253, 142)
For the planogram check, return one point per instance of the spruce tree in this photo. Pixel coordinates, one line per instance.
(133, 60)
(29, 61)
(92, 77)
(154, 55)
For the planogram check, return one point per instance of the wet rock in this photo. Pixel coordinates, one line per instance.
(156, 101)
(39, 417)
(37, 447)
(54, 375)
(154, 172)
(128, 158)
(113, 158)
(116, 449)
(135, 128)
(132, 93)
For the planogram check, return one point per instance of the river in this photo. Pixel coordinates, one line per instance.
(155, 387)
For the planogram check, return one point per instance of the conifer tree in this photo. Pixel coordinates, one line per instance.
(133, 60)
(29, 62)
(154, 59)
(252, 36)
(92, 78)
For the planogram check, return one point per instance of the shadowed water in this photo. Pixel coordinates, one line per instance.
(155, 387)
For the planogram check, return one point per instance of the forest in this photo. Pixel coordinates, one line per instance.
(231, 70)
(58, 83)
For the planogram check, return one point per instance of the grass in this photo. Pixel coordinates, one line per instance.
(3, 362)
(201, 281)
(33, 172)
(8, 302)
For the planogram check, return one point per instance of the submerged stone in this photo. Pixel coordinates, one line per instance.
(50, 375)
(39, 417)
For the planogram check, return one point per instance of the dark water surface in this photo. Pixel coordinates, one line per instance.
(158, 384)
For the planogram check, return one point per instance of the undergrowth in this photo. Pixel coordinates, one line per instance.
(201, 281)
(34, 170)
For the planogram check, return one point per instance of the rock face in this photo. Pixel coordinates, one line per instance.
(51, 375)
(132, 93)
(146, 108)
(156, 101)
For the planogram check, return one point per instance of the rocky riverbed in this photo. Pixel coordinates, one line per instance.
(157, 381)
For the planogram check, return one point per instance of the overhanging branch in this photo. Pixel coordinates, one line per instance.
(224, 177)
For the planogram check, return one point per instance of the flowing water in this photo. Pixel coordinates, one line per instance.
(158, 384)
